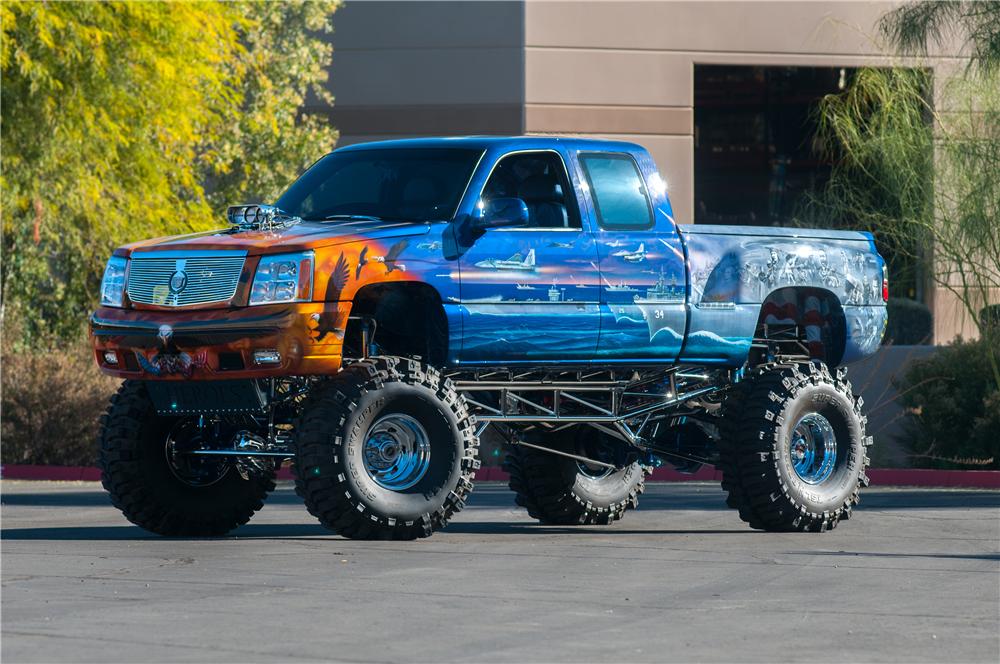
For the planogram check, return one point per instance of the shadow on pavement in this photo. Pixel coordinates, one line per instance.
(868, 554)
(902, 499)
(657, 497)
(100, 498)
(494, 528)
(128, 532)
(314, 532)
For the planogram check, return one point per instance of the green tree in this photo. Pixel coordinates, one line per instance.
(275, 136)
(913, 27)
(125, 120)
(916, 159)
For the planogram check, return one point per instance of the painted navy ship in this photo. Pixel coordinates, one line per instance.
(654, 304)
(500, 306)
(555, 293)
(620, 287)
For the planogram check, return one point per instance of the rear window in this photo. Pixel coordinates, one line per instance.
(618, 191)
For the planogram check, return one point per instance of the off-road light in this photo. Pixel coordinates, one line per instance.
(266, 357)
(113, 283)
(283, 278)
(111, 357)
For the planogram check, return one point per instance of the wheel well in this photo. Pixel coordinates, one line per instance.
(409, 321)
(810, 320)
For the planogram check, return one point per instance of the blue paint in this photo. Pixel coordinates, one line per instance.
(658, 293)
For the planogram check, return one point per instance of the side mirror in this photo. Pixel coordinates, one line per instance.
(501, 213)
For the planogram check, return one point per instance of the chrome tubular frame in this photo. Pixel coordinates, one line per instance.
(621, 403)
(627, 404)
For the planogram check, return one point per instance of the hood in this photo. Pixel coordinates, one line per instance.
(300, 237)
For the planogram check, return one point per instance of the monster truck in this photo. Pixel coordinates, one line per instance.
(402, 297)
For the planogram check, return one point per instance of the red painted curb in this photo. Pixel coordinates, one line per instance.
(984, 479)
(50, 473)
(970, 479)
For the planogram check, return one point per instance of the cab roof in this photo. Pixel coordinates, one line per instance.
(501, 143)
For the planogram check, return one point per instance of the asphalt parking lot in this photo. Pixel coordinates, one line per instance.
(914, 577)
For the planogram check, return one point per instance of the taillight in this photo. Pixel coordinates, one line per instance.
(885, 285)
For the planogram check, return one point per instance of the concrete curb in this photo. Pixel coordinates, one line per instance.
(969, 479)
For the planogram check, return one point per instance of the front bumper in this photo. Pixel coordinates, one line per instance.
(219, 343)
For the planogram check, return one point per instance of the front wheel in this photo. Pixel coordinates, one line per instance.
(793, 448)
(151, 478)
(386, 450)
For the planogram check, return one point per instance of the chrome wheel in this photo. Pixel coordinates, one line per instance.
(813, 449)
(397, 452)
(597, 448)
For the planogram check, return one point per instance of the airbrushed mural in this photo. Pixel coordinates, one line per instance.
(731, 268)
(574, 294)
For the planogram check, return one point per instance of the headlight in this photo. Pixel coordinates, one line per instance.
(283, 278)
(113, 283)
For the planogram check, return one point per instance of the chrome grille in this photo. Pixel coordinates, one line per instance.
(183, 278)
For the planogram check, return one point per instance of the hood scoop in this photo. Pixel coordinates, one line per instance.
(256, 217)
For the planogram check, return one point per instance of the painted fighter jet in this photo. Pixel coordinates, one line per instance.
(515, 262)
(636, 256)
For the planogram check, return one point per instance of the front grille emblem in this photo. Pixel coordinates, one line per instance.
(178, 280)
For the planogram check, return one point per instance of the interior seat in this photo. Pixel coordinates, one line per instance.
(546, 205)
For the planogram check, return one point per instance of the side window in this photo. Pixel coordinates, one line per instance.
(539, 179)
(618, 190)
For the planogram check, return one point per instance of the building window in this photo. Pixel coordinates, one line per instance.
(618, 190)
(756, 160)
(754, 157)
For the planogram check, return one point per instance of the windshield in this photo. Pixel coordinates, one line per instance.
(413, 184)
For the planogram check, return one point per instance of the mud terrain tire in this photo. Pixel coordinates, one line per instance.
(767, 421)
(347, 423)
(137, 476)
(556, 490)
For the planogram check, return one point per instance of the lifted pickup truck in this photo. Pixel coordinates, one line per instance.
(401, 297)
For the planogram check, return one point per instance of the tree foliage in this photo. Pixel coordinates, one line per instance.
(124, 120)
(273, 137)
(916, 157)
(914, 27)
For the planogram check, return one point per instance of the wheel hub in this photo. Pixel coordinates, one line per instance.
(397, 452)
(812, 449)
(185, 436)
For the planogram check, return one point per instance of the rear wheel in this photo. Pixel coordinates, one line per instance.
(151, 478)
(385, 451)
(558, 490)
(793, 448)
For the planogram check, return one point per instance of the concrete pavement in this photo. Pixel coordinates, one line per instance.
(915, 576)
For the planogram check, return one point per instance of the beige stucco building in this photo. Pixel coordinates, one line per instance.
(676, 77)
